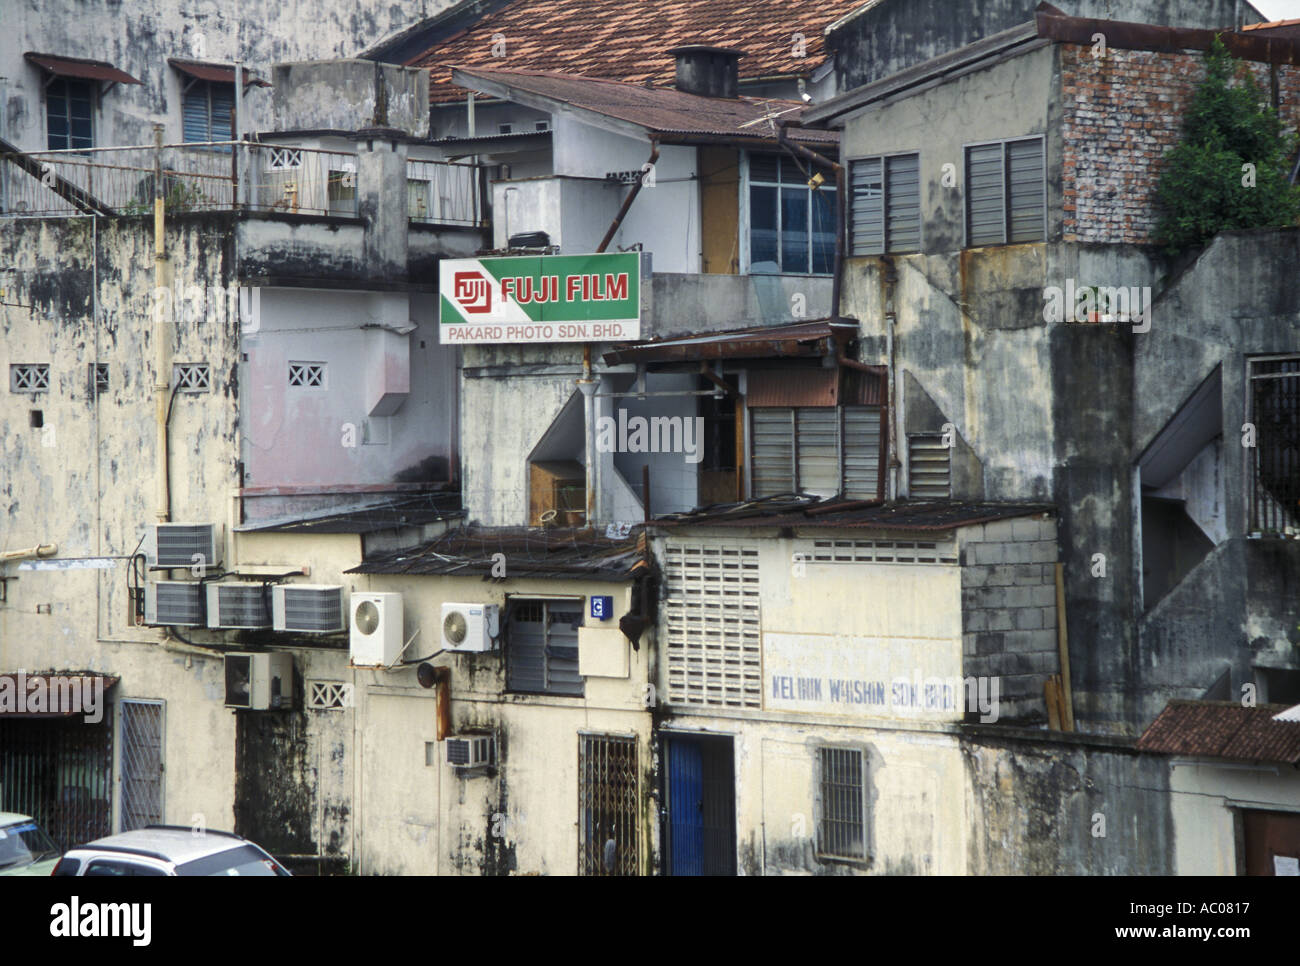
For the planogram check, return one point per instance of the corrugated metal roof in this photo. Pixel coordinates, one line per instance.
(770, 341)
(815, 387)
(630, 42)
(391, 515)
(217, 73)
(793, 510)
(1290, 714)
(80, 67)
(528, 552)
(1223, 729)
(660, 110)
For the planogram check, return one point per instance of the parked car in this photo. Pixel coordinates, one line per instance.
(169, 850)
(25, 849)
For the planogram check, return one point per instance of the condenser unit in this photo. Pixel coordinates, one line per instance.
(376, 638)
(471, 751)
(307, 608)
(469, 628)
(259, 682)
(187, 545)
(175, 603)
(238, 606)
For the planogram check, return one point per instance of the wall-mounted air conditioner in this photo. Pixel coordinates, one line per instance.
(376, 639)
(175, 603)
(471, 628)
(238, 606)
(259, 682)
(307, 608)
(185, 545)
(471, 751)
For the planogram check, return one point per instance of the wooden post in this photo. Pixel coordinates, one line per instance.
(1063, 650)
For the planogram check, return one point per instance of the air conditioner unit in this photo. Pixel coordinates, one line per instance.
(259, 682)
(187, 545)
(469, 628)
(471, 751)
(175, 603)
(238, 605)
(307, 608)
(376, 629)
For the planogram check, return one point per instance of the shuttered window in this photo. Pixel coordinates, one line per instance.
(542, 647)
(791, 225)
(823, 450)
(886, 200)
(1005, 186)
(207, 110)
(928, 468)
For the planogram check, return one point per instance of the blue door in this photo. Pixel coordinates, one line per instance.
(700, 802)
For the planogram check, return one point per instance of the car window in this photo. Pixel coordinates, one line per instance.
(245, 859)
(24, 843)
(67, 867)
(120, 867)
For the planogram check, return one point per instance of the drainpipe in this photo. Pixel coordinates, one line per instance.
(236, 186)
(41, 550)
(891, 317)
(161, 334)
(627, 202)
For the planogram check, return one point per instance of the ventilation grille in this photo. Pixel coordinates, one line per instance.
(177, 544)
(928, 468)
(237, 605)
(882, 551)
(313, 610)
(329, 695)
(176, 603)
(466, 752)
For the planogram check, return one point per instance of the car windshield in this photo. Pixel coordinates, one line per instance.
(243, 860)
(24, 843)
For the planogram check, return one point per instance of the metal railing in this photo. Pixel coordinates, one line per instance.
(442, 193)
(1273, 463)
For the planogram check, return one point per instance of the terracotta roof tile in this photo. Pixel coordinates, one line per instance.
(1223, 729)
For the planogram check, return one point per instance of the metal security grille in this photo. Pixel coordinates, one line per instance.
(841, 806)
(712, 616)
(929, 474)
(1005, 192)
(29, 377)
(1274, 464)
(141, 764)
(60, 772)
(609, 843)
(192, 377)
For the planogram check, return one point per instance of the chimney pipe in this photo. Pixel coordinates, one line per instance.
(708, 71)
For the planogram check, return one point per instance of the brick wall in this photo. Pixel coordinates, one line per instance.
(1008, 594)
(1120, 115)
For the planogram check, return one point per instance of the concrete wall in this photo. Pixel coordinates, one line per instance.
(1206, 797)
(348, 95)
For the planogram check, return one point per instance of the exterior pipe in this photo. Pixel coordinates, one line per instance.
(838, 169)
(41, 550)
(161, 335)
(627, 202)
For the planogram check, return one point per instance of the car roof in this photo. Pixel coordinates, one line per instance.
(13, 818)
(178, 845)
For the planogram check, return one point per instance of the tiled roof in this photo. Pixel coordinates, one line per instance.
(663, 110)
(1223, 729)
(625, 41)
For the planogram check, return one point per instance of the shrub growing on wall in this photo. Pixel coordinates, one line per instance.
(1206, 186)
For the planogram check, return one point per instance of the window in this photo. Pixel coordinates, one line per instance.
(841, 804)
(886, 200)
(791, 226)
(609, 840)
(1005, 187)
(341, 191)
(192, 377)
(417, 200)
(115, 867)
(928, 467)
(29, 377)
(542, 126)
(98, 378)
(505, 128)
(1274, 462)
(307, 375)
(824, 450)
(207, 111)
(542, 647)
(68, 114)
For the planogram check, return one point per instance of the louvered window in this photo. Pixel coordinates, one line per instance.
(791, 225)
(928, 467)
(208, 109)
(69, 114)
(1005, 185)
(823, 450)
(886, 204)
(542, 647)
(711, 613)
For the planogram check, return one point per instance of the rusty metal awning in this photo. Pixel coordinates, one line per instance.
(80, 67)
(52, 694)
(216, 73)
(815, 338)
(816, 387)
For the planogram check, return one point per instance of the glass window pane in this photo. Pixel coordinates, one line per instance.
(794, 230)
(764, 167)
(763, 254)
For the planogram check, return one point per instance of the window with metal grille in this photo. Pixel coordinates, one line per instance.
(712, 618)
(29, 377)
(69, 114)
(207, 111)
(886, 204)
(542, 647)
(609, 839)
(192, 377)
(841, 804)
(821, 450)
(791, 225)
(929, 467)
(1274, 463)
(141, 764)
(1006, 186)
(98, 378)
(308, 375)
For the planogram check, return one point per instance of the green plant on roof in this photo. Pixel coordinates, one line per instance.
(1206, 186)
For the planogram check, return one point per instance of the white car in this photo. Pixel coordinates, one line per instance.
(169, 850)
(25, 849)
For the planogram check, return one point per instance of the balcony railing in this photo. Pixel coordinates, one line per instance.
(1273, 463)
(220, 175)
